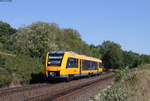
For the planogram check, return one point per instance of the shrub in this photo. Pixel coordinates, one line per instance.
(2, 61)
(117, 93)
(23, 67)
(5, 77)
(121, 74)
(125, 86)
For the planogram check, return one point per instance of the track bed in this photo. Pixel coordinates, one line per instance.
(55, 91)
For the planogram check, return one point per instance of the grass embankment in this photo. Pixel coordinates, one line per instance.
(17, 69)
(129, 85)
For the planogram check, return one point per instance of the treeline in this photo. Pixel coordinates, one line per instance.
(114, 57)
(40, 37)
(29, 43)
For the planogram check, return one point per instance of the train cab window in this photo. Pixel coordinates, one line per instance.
(55, 59)
(72, 63)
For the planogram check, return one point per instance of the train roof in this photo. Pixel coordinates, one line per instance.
(73, 53)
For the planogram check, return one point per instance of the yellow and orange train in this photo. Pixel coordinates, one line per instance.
(59, 64)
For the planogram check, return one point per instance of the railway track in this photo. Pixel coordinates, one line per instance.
(49, 92)
(6, 91)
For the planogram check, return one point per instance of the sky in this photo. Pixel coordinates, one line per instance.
(126, 22)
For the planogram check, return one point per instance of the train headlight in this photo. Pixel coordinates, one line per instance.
(52, 74)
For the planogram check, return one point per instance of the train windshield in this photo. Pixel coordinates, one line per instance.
(55, 59)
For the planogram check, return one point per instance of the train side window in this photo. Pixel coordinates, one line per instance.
(72, 63)
(100, 65)
(85, 64)
(94, 65)
(89, 65)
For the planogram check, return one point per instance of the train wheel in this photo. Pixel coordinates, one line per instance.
(89, 75)
(69, 78)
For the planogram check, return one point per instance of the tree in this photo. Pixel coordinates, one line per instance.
(145, 58)
(40, 37)
(112, 55)
(131, 59)
(94, 51)
(36, 39)
(6, 29)
(6, 32)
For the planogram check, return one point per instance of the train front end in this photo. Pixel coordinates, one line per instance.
(53, 64)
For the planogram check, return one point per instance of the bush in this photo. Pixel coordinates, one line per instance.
(125, 86)
(112, 55)
(121, 74)
(23, 67)
(2, 61)
(116, 93)
(5, 77)
(20, 68)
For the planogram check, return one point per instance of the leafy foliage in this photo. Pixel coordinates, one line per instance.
(6, 29)
(129, 86)
(40, 37)
(36, 39)
(112, 54)
(22, 66)
(6, 32)
(117, 93)
(131, 59)
(2, 61)
(5, 77)
(29, 43)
